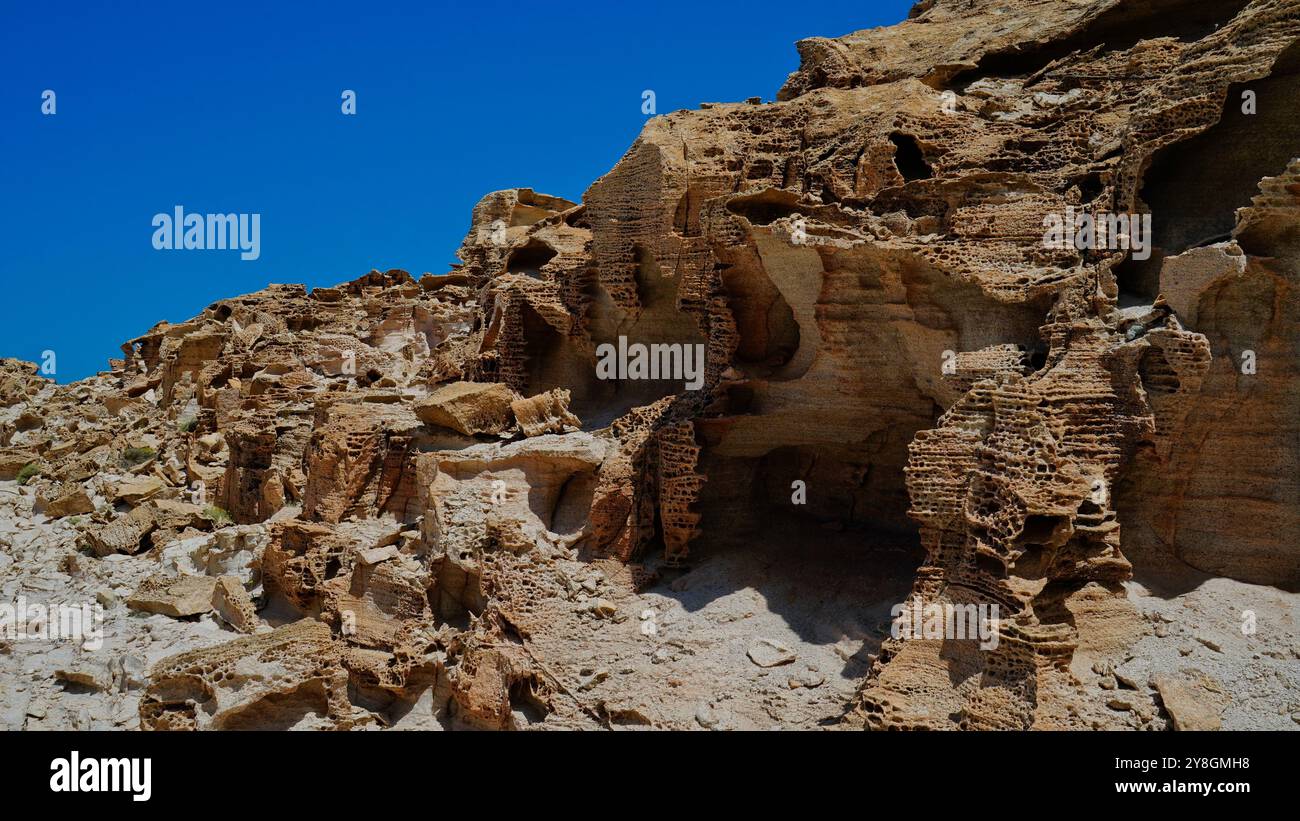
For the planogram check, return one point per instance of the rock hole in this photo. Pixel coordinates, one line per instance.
(529, 259)
(908, 157)
(1193, 188)
(765, 207)
(1118, 29)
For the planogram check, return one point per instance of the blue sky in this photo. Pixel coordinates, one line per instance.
(235, 107)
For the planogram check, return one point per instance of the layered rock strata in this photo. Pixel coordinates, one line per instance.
(405, 502)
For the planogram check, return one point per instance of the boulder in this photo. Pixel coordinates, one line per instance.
(469, 407)
(175, 596)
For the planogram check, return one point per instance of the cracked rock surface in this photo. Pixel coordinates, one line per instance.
(413, 503)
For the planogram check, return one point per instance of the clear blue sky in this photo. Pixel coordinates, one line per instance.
(235, 107)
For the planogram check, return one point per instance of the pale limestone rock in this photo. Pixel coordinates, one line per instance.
(66, 500)
(137, 489)
(176, 596)
(888, 348)
(232, 603)
(289, 678)
(770, 653)
(1193, 700)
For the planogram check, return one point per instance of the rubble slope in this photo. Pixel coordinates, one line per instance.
(423, 503)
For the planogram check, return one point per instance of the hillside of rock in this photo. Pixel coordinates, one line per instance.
(427, 503)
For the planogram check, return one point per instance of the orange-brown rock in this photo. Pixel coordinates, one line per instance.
(468, 407)
(545, 413)
(289, 678)
(908, 396)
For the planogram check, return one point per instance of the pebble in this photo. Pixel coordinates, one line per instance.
(1210, 643)
(592, 678)
(706, 716)
(770, 653)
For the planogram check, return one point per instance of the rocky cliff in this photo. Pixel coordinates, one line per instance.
(996, 309)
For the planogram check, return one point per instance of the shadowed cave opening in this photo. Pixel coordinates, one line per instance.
(765, 207)
(528, 259)
(1193, 188)
(1118, 29)
(820, 574)
(908, 157)
(556, 361)
(525, 706)
(804, 532)
(769, 334)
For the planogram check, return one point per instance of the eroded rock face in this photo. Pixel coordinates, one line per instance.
(425, 503)
(289, 678)
(468, 408)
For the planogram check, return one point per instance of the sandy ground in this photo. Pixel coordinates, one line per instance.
(66, 684)
(686, 653)
(812, 603)
(1200, 630)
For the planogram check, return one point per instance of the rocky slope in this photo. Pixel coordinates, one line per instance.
(416, 503)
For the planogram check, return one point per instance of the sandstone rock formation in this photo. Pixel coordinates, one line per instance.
(417, 503)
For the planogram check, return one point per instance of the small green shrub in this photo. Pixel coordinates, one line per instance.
(219, 517)
(28, 471)
(135, 456)
(187, 424)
